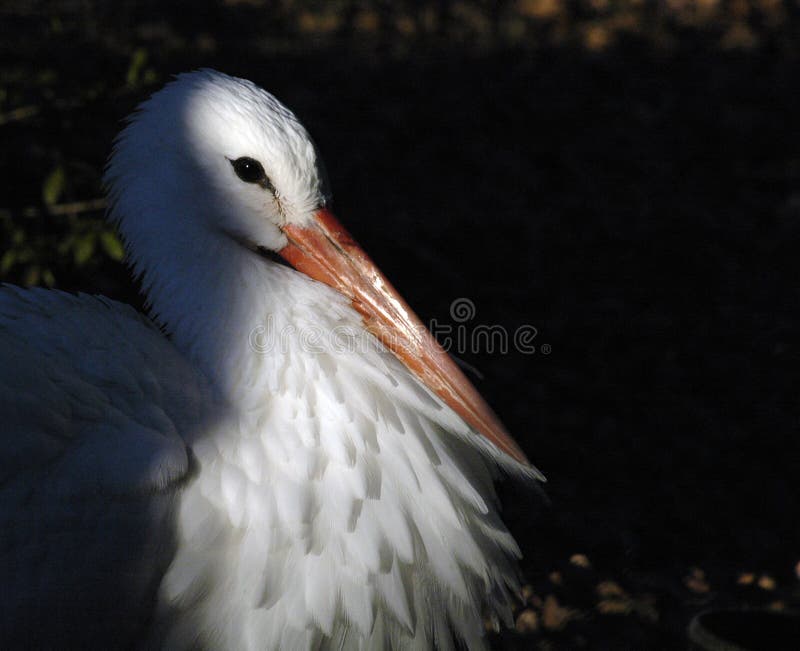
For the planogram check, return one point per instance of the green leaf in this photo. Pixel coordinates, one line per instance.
(18, 236)
(84, 247)
(7, 261)
(111, 245)
(54, 185)
(138, 61)
(48, 278)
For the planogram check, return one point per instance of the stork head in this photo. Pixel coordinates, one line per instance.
(225, 155)
(214, 159)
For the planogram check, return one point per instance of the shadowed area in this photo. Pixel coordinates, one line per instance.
(622, 176)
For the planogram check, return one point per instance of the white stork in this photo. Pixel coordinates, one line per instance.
(282, 458)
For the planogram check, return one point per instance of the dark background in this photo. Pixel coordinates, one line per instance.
(624, 176)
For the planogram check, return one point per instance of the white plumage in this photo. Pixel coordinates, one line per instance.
(269, 476)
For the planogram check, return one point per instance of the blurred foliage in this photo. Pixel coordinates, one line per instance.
(64, 61)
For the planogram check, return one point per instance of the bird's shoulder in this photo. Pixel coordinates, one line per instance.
(92, 390)
(96, 406)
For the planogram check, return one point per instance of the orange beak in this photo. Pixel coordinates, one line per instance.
(326, 252)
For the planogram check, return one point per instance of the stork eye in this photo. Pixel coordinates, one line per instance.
(250, 171)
